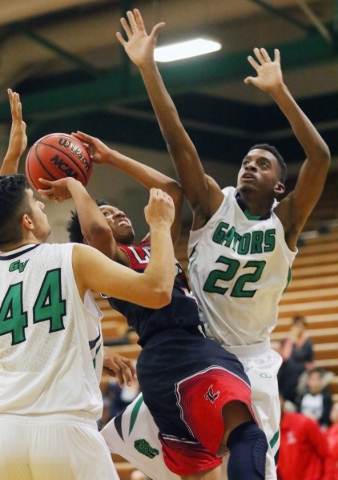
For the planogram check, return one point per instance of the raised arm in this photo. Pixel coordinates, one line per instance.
(143, 174)
(204, 198)
(153, 288)
(294, 209)
(94, 227)
(17, 138)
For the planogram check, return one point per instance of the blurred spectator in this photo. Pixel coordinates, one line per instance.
(297, 353)
(332, 436)
(316, 403)
(304, 451)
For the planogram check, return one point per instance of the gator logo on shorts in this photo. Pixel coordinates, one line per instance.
(143, 447)
(265, 375)
(210, 395)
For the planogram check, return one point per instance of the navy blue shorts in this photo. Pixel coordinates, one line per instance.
(186, 380)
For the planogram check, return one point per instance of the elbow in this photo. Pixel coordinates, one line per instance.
(325, 155)
(161, 298)
(175, 190)
(97, 231)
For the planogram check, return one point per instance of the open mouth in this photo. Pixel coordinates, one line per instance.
(123, 223)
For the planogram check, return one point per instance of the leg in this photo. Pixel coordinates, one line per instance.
(246, 441)
(211, 474)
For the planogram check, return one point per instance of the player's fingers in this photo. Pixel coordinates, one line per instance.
(249, 80)
(126, 27)
(132, 21)
(139, 21)
(277, 55)
(265, 55)
(259, 56)
(121, 39)
(156, 30)
(46, 182)
(253, 62)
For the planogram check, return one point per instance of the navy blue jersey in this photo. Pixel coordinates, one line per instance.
(182, 312)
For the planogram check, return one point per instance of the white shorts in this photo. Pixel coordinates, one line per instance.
(53, 447)
(134, 435)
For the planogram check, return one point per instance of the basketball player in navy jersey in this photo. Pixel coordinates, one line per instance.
(196, 391)
(243, 241)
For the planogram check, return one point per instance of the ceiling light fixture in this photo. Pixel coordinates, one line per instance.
(191, 48)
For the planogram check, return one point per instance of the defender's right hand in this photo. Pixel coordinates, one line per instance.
(160, 209)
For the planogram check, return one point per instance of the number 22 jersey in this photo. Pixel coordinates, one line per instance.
(239, 267)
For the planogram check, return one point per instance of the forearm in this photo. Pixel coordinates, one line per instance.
(160, 271)
(94, 226)
(315, 148)
(183, 153)
(148, 177)
(10, 164)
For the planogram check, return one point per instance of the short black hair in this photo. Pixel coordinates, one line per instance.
(299, 319)
(13, 205)
(74, 227)
(275, 153)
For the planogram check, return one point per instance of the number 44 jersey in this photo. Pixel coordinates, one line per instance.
(45, 360)
(239, 267)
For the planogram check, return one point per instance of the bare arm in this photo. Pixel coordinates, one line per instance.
(94, 227)
(143, 174)
(294, 210)
(153, 288)
(203, 199)
(17, 138)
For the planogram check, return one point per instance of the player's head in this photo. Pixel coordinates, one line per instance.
(263, 169)
(120, 225)
(20, 213)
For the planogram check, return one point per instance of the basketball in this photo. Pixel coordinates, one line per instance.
(56, 156)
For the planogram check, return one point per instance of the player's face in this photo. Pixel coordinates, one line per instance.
(259, 172)
(39, 218)
(120, 225)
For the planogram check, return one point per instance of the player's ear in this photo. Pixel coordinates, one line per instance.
(279, 188)
(85, 241)
(27, 222)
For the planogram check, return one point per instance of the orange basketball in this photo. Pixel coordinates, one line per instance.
(55, 156)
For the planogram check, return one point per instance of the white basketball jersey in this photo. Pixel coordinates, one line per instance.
(239, 268)
(46, 365)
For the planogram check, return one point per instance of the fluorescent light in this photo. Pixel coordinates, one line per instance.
(188, 49)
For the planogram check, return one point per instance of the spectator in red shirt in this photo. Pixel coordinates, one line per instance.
(332, 437)
(304, 451)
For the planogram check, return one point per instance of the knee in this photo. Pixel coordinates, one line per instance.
(248, 446)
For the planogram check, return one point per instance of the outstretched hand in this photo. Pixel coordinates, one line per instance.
(96, 149)
(269, 73)
(160, 209)
(57, 190)
(140, 46)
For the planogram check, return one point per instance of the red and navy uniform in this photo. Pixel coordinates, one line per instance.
(185, 378)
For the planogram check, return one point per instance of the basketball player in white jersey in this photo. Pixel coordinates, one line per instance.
(116, 365)
(49, 394)
(241, 247)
